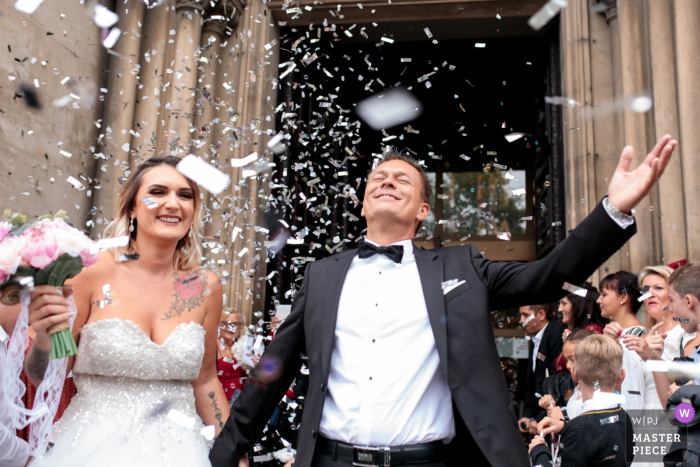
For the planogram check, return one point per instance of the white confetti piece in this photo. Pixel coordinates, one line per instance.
(103, 17)
(111, 38)
(503, 236)
(27, 6)
(513, 137)
(644, 297)
(641, 104)
(560, 100)
(211, 178)
(107, 243)
(208, 432)
(245, 160)
(65, 153)
(275, 139)
(390, 108)
(574, 289)
(545, 14)
(480, 45)
(428, 33)
(519, 191)
(148, 201)
(75, 182)
(180, 418)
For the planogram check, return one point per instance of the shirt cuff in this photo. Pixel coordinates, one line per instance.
(620, 218)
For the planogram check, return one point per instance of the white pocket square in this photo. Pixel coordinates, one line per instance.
(450, 285)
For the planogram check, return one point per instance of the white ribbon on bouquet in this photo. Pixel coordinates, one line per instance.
(48, 394)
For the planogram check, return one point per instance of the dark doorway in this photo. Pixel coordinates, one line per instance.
(474, 93)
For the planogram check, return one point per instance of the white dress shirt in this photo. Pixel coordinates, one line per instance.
(385, 386)
(536, 339)
(14, 451)
(672, 343)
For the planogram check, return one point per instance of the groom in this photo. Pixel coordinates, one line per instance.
(401, 352)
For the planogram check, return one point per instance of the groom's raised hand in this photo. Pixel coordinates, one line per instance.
(627, 189)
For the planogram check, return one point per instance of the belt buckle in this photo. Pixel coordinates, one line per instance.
(369, 456)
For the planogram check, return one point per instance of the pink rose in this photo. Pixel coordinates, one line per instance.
(39, 248)
(5, 228)
(88, 258)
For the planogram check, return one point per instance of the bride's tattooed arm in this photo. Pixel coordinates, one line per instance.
(217, 410)
(189, 293)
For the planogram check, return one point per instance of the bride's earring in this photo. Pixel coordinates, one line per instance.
(131, 225)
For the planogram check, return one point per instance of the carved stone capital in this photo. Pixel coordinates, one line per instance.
(224, 16)
(607, 7)
(190, 4)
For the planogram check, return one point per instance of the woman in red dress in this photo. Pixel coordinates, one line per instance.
(232, 375)
(579, 313)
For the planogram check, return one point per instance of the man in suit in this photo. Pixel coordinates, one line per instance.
(401, 352)
(546, 344)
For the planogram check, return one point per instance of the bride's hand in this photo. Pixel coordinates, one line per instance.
(48, 307)
(244, 462)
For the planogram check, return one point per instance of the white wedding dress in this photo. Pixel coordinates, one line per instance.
(127, 385)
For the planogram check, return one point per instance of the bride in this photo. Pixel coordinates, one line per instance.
(146, 333)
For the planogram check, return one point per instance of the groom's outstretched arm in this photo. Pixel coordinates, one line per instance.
(587, 247)
(266, 385)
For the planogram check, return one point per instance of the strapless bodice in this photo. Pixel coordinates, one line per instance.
(115, 347)
(127, 385)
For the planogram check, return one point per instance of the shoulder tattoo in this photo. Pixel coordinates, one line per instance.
(190, 292)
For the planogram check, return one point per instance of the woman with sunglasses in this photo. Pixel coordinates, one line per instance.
(232, 374)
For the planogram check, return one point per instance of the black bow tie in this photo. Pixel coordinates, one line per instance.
(393, 252)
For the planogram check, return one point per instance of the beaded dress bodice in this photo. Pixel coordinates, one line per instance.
(123, 376)
(114, 347)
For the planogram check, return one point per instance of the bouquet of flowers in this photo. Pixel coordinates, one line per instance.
(45, 252)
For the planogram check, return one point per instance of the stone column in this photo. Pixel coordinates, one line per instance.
(206, 99)
(687, 40)
(257, 97)
(670, 214)
(579, 161)
(606, 147)
(644, 247)
(119, 109)
(148, 95)
(178, 107)
(222, 63)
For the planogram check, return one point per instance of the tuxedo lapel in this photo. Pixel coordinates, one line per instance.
(432, 274)
(335, 278)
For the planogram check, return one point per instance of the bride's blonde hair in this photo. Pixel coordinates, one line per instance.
(189, 249)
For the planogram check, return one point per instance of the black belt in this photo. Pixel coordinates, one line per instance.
(385, 456)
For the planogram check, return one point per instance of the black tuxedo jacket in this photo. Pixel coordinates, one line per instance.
(460, 322)
(549, 349)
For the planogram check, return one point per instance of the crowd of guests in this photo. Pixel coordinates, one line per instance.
(601, 347)
(598, 348)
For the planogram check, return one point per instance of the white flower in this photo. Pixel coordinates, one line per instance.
(70, 240)
(10, 255)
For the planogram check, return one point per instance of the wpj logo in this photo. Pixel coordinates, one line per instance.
(654, 432)
(684, 412)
